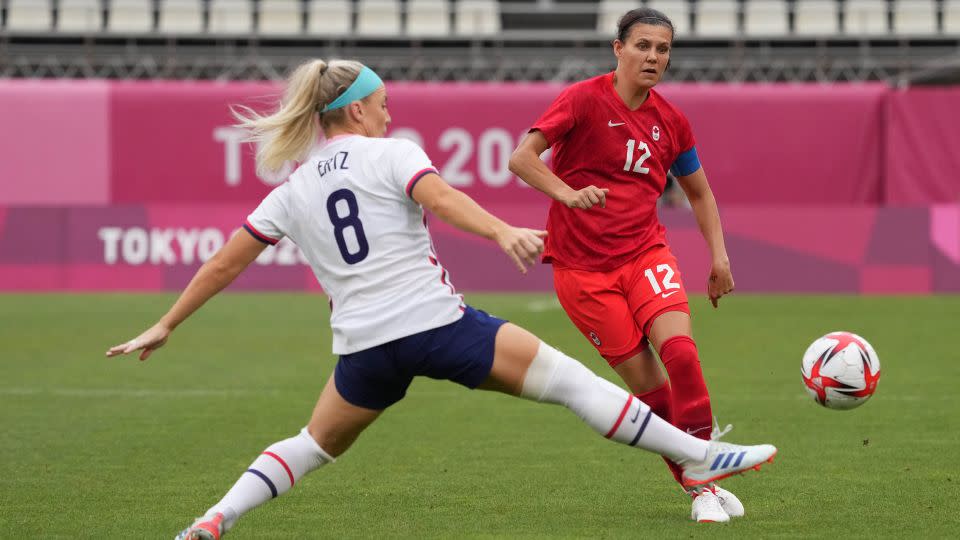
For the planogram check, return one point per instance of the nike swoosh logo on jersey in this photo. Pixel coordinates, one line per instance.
(669, 294)
(610, 123)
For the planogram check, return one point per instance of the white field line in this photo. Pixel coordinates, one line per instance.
(414, 393)
(136, 392)
(538, 306)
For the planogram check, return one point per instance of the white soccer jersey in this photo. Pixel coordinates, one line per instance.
(349, 210)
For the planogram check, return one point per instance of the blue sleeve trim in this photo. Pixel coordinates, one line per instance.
(258, 235)
(687, 163)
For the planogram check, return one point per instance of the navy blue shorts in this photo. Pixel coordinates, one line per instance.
(461, 351)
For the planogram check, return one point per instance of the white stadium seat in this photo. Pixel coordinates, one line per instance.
(766, 18)
(231, 17)
(181, 16)
(951, 17)
(378, 17)
(29, 15)
(428, 17)
(816, 18)
(865, 17)
(717, 18)
(915, 17)
(280, 17)
(477, 17)
(130, 16)
(609, 13)
(678, 11)
(79, 16)
(329, 18)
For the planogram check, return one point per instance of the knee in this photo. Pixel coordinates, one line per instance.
(554, 377)
(679, 348)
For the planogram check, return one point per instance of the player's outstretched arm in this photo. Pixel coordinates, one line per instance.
(215, 274)
(455, 207)
(704, 206)
(526, 163)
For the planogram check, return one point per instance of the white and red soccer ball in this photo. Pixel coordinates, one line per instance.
(840, 370)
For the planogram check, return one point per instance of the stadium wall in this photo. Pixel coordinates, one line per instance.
(130, 185)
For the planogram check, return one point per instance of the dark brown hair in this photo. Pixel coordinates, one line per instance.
(642, 15)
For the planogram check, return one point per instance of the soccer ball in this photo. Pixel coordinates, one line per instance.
(840, 370)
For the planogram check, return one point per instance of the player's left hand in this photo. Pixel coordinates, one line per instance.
(151, 340)
(523, 246)
(720, 282)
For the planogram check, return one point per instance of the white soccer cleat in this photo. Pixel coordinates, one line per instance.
(203, 529)
(723, 460)
(730, 503)
(706, 508)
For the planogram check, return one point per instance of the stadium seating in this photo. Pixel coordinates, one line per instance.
(231, 17)
(477, 17)
(378, 18)
(865, 18)
(329, 18)
(609, 13)
(130, 16)
(816, 18)
(180, 16)
(29, 15)
(708, 19)
(428, 18)
(678, 11)
(717, 18)
(951, 17)
(280, 17)
(915, 17)
(79, 16)
(766, 18)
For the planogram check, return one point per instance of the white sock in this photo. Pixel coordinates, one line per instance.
(554, 377)
(272, 474)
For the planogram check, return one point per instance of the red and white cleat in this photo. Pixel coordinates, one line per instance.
(203, 529)
(706, 507)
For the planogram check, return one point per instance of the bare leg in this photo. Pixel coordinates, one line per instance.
(335, 423)
(334, 426)
(641, 373)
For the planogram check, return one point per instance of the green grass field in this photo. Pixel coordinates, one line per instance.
(97, 447)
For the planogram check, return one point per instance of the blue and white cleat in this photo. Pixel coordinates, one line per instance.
(203, 529)
(723, 460)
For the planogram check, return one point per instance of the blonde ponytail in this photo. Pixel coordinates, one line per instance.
(289, 133)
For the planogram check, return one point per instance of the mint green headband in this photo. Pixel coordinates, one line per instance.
(367, 82)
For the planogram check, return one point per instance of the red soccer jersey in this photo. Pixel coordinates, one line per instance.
(597, 140)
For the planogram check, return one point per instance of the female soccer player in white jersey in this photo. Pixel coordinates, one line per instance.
(355, 209)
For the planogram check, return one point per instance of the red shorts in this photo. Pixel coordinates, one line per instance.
(615, 309)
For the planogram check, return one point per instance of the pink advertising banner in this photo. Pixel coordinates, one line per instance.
(773, 249)
(173, 141)
(922, 154)
(98, 142)
(54, 142)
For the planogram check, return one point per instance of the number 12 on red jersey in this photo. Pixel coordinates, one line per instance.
(638, 166)
(667, 279)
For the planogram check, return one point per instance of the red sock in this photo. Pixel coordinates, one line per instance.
(660, 399)
(691, 402)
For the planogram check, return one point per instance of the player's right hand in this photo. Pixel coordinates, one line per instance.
(150, 340)
(523, 246)
(585, 198)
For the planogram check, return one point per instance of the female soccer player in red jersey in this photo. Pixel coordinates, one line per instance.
(614, 139)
